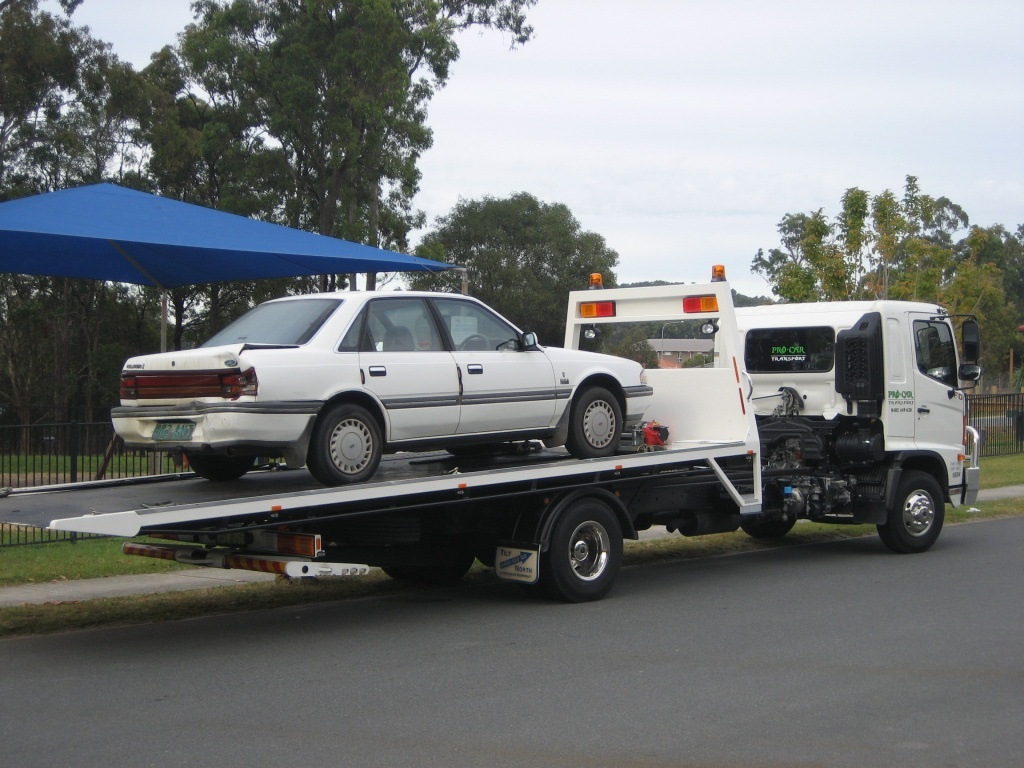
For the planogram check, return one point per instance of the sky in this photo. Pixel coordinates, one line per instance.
(682, 131)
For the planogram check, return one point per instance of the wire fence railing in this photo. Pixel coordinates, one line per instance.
(1000, 421)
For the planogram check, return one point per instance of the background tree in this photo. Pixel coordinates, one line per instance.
(523, 256)
(342, 87)
(886, 247)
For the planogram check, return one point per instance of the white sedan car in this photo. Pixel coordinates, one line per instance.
(334, 380)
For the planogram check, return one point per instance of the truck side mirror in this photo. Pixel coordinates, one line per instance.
(530, 340)
(970, 335)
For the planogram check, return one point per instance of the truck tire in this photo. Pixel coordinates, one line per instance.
(584, 553)
(220, 469)
(914, 521)
(776, 528)
(595, 422)
(346, 445)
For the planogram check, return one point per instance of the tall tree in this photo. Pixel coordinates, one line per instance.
(523, 257)
(342, 88)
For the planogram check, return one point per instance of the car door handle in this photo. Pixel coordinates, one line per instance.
(924, 409)
(474, 368)
(378, 370)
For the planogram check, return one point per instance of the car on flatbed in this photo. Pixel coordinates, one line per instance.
(334, 380)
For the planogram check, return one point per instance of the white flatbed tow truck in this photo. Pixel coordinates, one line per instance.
(546, 520)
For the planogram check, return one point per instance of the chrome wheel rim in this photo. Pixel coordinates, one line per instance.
(351, 446)
(918, 513)
(588, 550)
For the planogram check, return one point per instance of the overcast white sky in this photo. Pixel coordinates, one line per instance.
(683, 130)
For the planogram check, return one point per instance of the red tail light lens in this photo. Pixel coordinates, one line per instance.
(236, 385)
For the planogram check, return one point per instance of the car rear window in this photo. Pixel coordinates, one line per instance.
(780, 350)
(283, 322)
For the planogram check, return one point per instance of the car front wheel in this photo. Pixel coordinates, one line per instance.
(595, 421)
(346, 446)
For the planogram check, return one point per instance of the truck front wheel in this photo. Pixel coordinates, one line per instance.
(584, 553)
(915, 519)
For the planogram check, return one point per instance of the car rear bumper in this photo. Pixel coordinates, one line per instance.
(214, 426)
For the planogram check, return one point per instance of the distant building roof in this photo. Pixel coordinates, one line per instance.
(683, 346)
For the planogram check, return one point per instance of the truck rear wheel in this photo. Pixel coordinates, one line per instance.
(584, 553)
(914, 521)
(219, 468)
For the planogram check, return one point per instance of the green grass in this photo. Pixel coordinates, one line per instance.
(64, 561)
(1000, 471)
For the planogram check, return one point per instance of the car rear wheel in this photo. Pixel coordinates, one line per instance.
(346, 446)
(595, 421)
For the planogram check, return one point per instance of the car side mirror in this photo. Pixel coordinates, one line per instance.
(530, 340)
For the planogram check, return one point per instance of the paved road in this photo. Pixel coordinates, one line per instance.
(836, 654)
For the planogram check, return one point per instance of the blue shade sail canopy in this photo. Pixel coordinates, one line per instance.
(107, 232)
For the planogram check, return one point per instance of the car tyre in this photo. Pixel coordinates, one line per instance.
(346, 446)
(595, 423)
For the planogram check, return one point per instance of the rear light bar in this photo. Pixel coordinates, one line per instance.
(597, 309)
(229, 385)
(692, 304)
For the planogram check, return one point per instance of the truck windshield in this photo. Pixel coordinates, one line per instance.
(283, 322)
(782, 350)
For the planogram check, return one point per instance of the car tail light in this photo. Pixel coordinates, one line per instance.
(236, 385)
(129, 387)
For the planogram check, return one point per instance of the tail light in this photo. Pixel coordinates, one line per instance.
(193, 384)
(236, 385)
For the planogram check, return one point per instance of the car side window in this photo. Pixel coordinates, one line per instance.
(935, 351)
(475, 329)
(400, 325)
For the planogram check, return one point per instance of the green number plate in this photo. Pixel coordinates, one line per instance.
(173, 431)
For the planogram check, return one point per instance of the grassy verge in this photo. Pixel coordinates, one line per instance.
(64, 561)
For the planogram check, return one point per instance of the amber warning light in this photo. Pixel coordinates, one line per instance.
(718, 273)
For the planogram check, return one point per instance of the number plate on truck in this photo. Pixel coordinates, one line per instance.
(513, 563)
(166, 430)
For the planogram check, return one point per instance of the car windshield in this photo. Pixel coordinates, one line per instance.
(283, 322)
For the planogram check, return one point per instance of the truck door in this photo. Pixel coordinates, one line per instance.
(938, 404)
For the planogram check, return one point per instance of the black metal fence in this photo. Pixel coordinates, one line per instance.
(12, 535)
(1000, 420)
(49, 454)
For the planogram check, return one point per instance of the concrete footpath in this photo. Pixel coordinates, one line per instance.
(208, 578)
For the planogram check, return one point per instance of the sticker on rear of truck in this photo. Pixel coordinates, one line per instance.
(516, 564)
